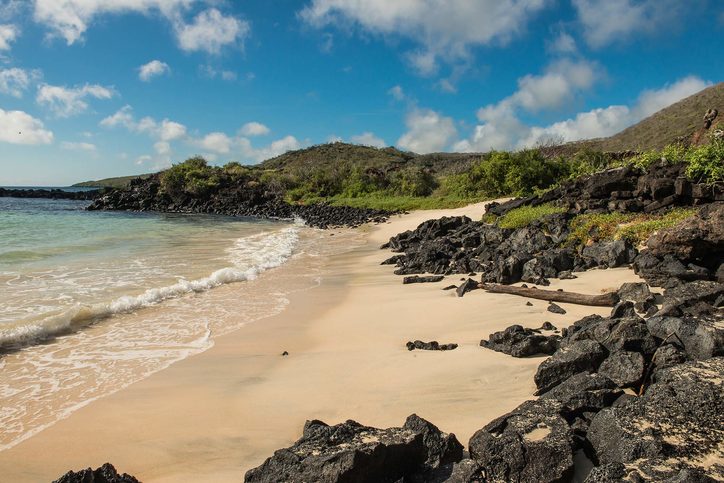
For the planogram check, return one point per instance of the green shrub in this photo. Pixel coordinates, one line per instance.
(634, 227)
(192, 177)
(525, 215)
(706, 163)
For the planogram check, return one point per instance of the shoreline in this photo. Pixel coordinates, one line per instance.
(216, 414)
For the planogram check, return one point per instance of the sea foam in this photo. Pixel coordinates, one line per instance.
(249, 256)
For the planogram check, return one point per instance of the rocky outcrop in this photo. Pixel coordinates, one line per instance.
(677, 424)
(580, 356)
(104, 474)
(531, 443)
(519, 342)
(350, 452)
(429, 346)
(252, 200)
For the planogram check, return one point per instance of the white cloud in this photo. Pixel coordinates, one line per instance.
(164, 130)
(170, 130)
(616, 20)
(71, 18)
(15, 81)
(504, 130)
(444, 30)
(153, 69)
(162, 148)
(216, 142)
(563, 44)
(397, 93)
(212, 73)
(254, 129)
(66, 102)
(369, 139)
(280, 146)
(210, 31)
(427, 131)
(18, 127)
(651, 101)
(78, 146)
(8, 34)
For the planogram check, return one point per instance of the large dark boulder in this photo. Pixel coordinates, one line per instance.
(687, 295)
(624, 368)
(701, 339)
(350, 452)
(679, 419)
(581, 356)
(520, 342)
(531, 443)
(584, 393)
(104, 474)
(699, 238)
(609, 254)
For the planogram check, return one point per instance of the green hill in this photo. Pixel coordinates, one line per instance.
(119, 182)
(682, 121)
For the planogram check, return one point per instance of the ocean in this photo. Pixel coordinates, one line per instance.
(93, 301)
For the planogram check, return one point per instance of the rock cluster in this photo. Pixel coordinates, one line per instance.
(351, 452)
(429, 346)
(538, 252)
(251, 200)
(104, 474)
(54, 194)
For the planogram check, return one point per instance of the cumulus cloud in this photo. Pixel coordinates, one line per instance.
(210, 31)
(369, 139)
(15, 81)
(8, 34)
(254, 129)
(427, 131)
(443, 30)
(66, 102)
(216, 142)
(70, 19)
(506, 130)
(280, 146)
(616, 20)
(18, 127)
(153, 69)
(78, 146)
(165, 130)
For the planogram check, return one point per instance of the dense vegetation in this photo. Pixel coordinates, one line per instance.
(405, 185)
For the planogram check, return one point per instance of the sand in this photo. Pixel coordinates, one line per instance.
(214, 415)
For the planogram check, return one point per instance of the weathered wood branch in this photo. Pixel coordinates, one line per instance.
(604, 300)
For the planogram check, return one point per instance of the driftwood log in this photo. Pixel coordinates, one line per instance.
(604, 300)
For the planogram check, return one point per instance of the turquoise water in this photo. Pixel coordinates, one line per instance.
(62, 267)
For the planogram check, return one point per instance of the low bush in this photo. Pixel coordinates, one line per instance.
(525, 215)
(634, 227)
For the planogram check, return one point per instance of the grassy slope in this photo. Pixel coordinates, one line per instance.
(681, 120)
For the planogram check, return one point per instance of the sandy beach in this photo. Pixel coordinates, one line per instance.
(213, 416)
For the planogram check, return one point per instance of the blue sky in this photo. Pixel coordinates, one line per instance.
(97, 88)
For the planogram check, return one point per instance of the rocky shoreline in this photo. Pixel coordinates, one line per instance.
(54, 194)
(251, 200)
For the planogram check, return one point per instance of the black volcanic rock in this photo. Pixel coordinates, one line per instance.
(422, 279)
(519, 342)
(680, 418)
(55, 194)
(581, 356)
(429, 346)
(531, 443)
(350, 452)
(104, 474)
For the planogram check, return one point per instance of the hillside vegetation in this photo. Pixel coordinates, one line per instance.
(681, 122)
